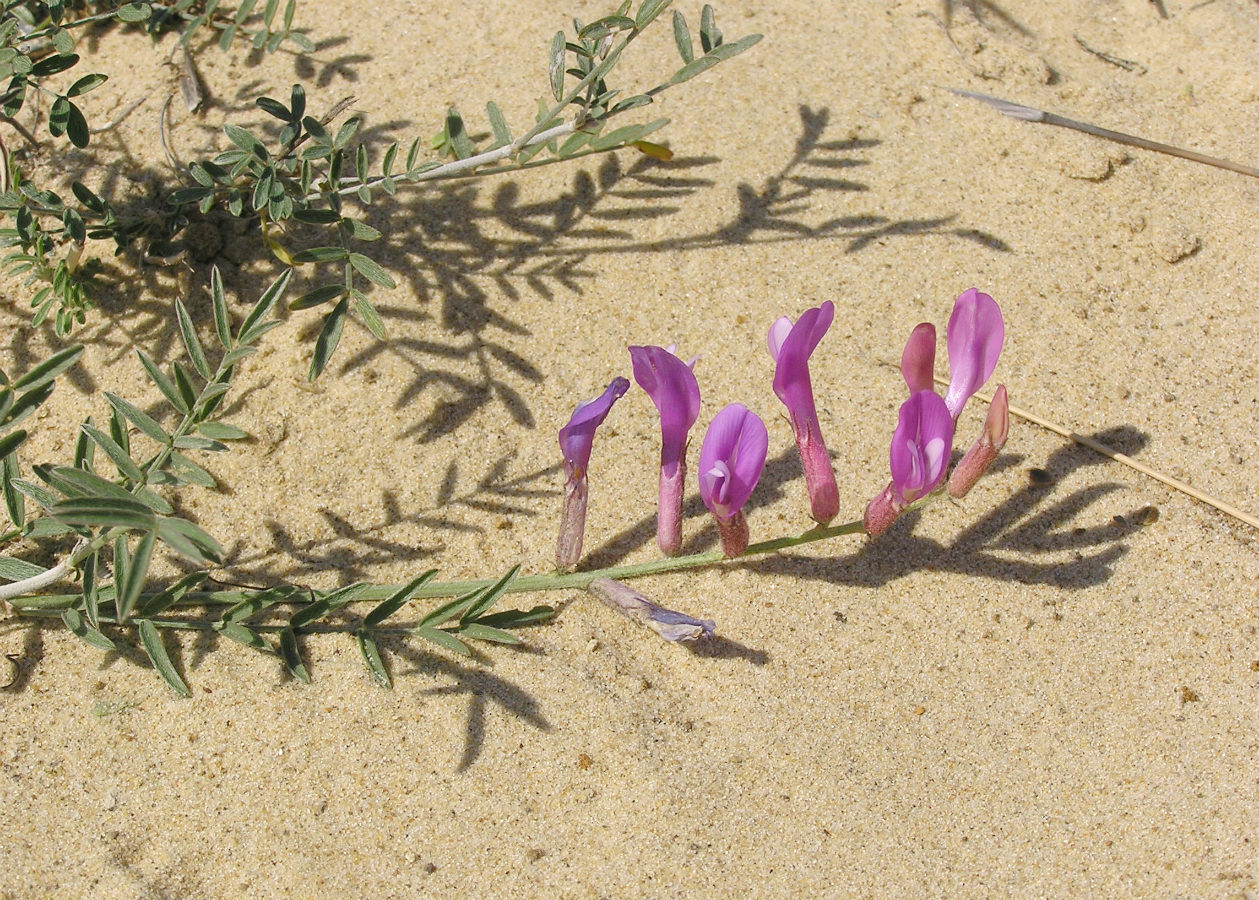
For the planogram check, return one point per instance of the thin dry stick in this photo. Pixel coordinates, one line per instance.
(1031, 114)
(1175, 484)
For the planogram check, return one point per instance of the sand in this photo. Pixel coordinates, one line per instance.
(1026, 693)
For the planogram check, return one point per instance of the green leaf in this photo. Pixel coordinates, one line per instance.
(371, 656)
(346, 132)
(498, 124)
(11, 442)
(245, 141)
(242, 635)
(488, 598)
(188, 540)
(192, 442)
(329, 337)
(396, 600)
(90, 589)
(457, 135)
(709, 34)
(49, 368)
(275, 108)
(169, 596)
(102, 512)
(449, 610)
(18, 569)
(254, 327)
(76, 127)
(480, 632)
(221, 431)
(134, 12)
(85, 84)
(14, 501)
(164, 384)
(443, 639)
(626, 134)
(51, 65)
(183, 382)
(316, 216)
(188, 331)
(292, 656)
(222, 326)
(368, 314)
(130, 583)
(320, 254)
(372, 270)
(518, 618)
(138, 418)
(185, 470)
(73, 620)
(325, 605)
(26, 404)
(255, 603)
(360, 230)
(648, 12)
(630, 103)
(38, 493)
(126, 466)
(682, 37)
(318, 296)
(693, 68)
(556, 65)
(156, 650)
(62, 42)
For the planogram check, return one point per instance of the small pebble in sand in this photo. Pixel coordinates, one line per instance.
(1175, 242)
(1188, 695)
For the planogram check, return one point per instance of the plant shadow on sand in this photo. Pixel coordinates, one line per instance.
(465, 256)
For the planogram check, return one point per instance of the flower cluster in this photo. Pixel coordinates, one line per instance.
(732, 455)
(922, 444)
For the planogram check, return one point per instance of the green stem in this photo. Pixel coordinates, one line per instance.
(528, 583)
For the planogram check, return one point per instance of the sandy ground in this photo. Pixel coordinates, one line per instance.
(1022, 694)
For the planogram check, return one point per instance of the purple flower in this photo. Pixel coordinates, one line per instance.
(673, 389)
(576, 440)
(670, 625)
(790, 346)
(919, 455)
(924, 435)
(918, 360)
(975, 334)
(731, 460)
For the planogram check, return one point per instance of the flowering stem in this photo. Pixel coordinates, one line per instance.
(527, 583)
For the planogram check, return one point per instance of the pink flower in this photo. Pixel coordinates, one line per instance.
(673, 389)
(576, 440)
(731, 460)
(975, 335)
(919, 455)
(924, 435)
(791, 346)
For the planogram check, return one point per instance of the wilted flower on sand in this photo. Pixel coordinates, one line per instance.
(673, 389)
(576, 440)
(670, 625)
(790, 346)
(919, 455)
(731, 460)
(975, 335)
(984, 451)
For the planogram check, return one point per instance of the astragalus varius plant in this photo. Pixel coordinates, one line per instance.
(312, 169)
(106, 514)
